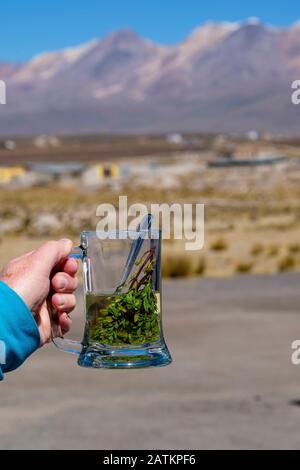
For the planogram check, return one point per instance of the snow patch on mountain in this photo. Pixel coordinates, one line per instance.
(44, 66)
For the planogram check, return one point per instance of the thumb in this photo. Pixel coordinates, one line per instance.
(53, 252)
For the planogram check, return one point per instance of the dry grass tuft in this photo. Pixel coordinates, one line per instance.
(219, 245)
(244, 267)
(201, 267)
(257, 249)
(294, 248)
(177, 265)
(273, 250)
(287, 263)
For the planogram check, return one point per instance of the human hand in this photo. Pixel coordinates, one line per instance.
(36, 274)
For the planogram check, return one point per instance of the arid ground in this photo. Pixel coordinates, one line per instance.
(232, 384)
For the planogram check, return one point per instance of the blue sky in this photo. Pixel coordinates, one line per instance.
(32, 26)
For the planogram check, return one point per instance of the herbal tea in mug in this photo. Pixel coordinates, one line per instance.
(122, 288)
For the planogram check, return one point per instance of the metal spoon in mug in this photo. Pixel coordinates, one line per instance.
(136, 246)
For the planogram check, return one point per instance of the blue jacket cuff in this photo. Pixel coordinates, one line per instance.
(19, 334)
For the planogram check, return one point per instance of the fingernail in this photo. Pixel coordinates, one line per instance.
(60, 300)
(62, 283)
(67, 241)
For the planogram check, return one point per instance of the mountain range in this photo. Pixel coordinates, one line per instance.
(224, 77)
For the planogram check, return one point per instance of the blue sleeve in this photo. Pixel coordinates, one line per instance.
(19, 334)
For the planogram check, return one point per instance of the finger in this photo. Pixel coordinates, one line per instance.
(54, 252)
(62, 282)
(64, 302)
(70, 266)
(65, 322)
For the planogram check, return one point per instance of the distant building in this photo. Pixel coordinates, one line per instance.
(220, 140)
(267, 136)
(246, 150)
(46, 141)
(175, 139)
(252, 135)
(57, 170)
(258, 161)
(7, 173)
(99, 174)
(8, 145)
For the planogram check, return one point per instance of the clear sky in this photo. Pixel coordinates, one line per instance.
(29, 27)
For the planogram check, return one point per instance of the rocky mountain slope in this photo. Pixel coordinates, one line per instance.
(228, 77)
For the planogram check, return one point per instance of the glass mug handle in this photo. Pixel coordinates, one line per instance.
(66, 345)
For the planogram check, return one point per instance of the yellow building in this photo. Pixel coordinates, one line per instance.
(7, 174)
(108, 170)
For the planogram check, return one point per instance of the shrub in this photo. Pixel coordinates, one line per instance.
(273, 250)
(257, 249)
(219, 245)
(244, 267)
(294, 248)
(177, 266)
(287, 263)
(201, 267)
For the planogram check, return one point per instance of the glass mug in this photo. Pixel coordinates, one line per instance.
(122, 294)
